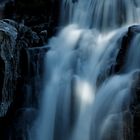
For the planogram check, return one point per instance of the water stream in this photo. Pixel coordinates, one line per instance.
(76, 105)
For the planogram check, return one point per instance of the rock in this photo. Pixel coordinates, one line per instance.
(40, 13)
(15, 40)
(126, 42)
(27, 37)
(22, 122)
(127, 125)
(8, 54)
(135, 105)
(131, 117)
(21, 61)
(9, 9)
(11, 22)
(43, 36)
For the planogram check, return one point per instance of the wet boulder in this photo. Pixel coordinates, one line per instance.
(21, 62)
(125, 45)
(15, 59)
(135, 105)
(9, 55)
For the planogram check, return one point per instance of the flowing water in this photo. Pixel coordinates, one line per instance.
(76, 105)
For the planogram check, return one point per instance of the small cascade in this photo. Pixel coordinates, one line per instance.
(96, 14)
(35, 73)
(90, 71)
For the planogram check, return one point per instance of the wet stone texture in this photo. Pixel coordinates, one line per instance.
(131, 114)
(21, 61)
(135, 106)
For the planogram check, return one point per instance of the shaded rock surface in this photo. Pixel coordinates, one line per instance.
(131, 114)
(39, 15)
(21, 62)
(9, 56)
(124, 44)
(42, 20)
(135, 106)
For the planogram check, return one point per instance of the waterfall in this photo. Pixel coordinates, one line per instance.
(84, 97)
(100, 14)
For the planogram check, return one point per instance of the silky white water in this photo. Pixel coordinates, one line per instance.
(76, 105)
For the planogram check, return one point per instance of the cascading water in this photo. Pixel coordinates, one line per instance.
(83, 98)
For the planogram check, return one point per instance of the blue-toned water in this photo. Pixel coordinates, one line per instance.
(75, 104)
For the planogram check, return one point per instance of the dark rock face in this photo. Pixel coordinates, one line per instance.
(21, 125)
(39, 15)
(132, 126)
(135, 105)
(42, 21)
(126, 42)
(131, 114)
(21, 63)
(9, 56)
(112, 62)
